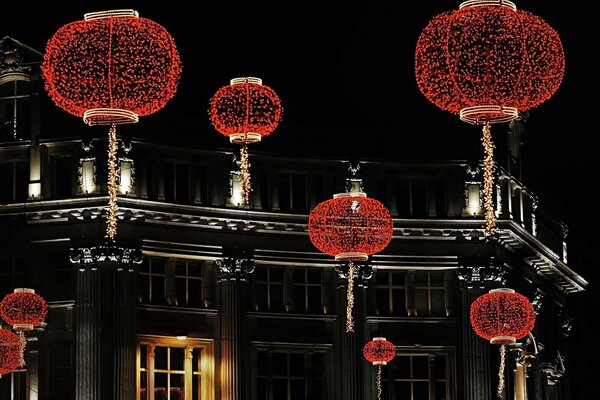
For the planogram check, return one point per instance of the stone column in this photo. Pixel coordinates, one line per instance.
(233, 275)
(105, 333)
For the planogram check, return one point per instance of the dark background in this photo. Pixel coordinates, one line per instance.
(345, 75)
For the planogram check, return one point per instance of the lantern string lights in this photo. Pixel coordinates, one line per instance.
(23, 310)
(488, 181)
(379, 352)
(9, 352)
(350, 298)
(111, 68)
(350, 227)
(502, 316)
(486, 62)
(245, 111)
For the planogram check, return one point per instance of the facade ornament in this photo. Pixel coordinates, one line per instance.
(234, 269)
(88, 257)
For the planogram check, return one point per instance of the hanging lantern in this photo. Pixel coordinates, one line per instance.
(350, 227)
(9, 352)
(502, 316)
(23, 310)
(111, 68)
(245, 111)
(486, 62)
(379, 352)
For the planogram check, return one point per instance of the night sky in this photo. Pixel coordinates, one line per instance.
(345, 75)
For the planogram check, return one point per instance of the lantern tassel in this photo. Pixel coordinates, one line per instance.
(350, 298)
(245, 173)
(23, 344)
(111, 220)
(379, 382)
(488, 181)
(500, 391)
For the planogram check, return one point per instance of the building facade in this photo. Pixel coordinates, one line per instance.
(203, 297)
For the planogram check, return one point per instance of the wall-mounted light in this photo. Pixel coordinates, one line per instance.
(87, 175)
(126, 175)
(473, 198)
(236, 195)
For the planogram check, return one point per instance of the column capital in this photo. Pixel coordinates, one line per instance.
(88, 257)
(234, 269)
(480, 273)
(363, 273)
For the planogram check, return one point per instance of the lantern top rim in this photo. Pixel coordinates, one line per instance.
(502, 290)
(119, 13)
(246, 79)
(349, 194)
(492, 3)
(24, 290)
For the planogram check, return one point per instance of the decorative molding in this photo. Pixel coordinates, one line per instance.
(364, 273)
(480, 275)
(538, 301)
(88, 257)
(234, 269)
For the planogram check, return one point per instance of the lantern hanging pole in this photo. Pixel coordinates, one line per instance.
(111, 219)
(488, 181)
(500, 390)
(350, 298)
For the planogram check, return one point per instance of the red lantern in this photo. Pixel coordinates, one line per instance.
(111, 68)
(486, 62)
(23, 310)
(9, 352)
(245, 111)
(350, 227)
(379, 352)
(502, 316)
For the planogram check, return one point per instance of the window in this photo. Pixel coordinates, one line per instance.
(177, 183)
(418, 376)
(13, 386)
(152, 281)
(269, 289)
(63, 177)
(307, 290)
(172, 369)
(411, 198)
(14, 180)
(391, 293)
(188, 283)
(292, 192)
(290, 375)
(62, 373)
(430, 294)
(13, 273)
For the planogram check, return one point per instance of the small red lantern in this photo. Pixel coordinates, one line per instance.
(245, 111)
(9, 352)
(23, 310)
(486, 62)
(379, 352)
(502, 316)
(111, 68)
(350, 227)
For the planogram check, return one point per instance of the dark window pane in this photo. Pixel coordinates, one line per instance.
(438, 304)
(151, 180)
(280, 389)
(63, 177)
(276, 274)
(143, 355)
(420, 390)
(403, 198)
(420, 367)
(398, 279)
(403, 391)
(169, 182)
(143, 286)
(182, 183)
(279, 364)
(196, 358)
(440, 391)
(261, 363)
(440, 198)
(160, 358)
(195, 269)
(158, 266)
(421, 302)
(177, 359)
(440, 367)
(196, 387)
(276, 298)
(299, 275)
(262, 297)
(402, 370)
(284, 193)
(297, 365)
(298, 193)
(181, 268)
(382, 278)
(6, 182)
(21, 181)
(314, 300)
(261, 388)
(180, 290)
(314, 275)
(297, 390)
(261, 274)
(436, 279)
(299, 298)
(195, 293)
(399, 301)
(158, 290)
(383, 302)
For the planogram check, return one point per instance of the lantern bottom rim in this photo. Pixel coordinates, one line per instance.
(245, 138)
(22, 327)
(353, 256)
(503, 340)
(489, 113)
(109, 116)
(376, 363)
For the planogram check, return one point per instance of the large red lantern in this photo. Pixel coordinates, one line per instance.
(245, 111)
(379, 352)
(350, 227)
(486, 62)
(502, 316)
(23, 310)
(9, 352)
(111, 68)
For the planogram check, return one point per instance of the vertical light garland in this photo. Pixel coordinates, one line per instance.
(488, 181)
(22, 346)
(246, 183)
(379, 382)
(111, 220)
(500, 389)
(350, 298)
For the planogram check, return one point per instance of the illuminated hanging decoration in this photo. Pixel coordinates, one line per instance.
(9, 352)
(23, 310)
(109, 69)
(245, 111)
(486, 62)
(379, 352)
(502, 316)
(350, 227)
